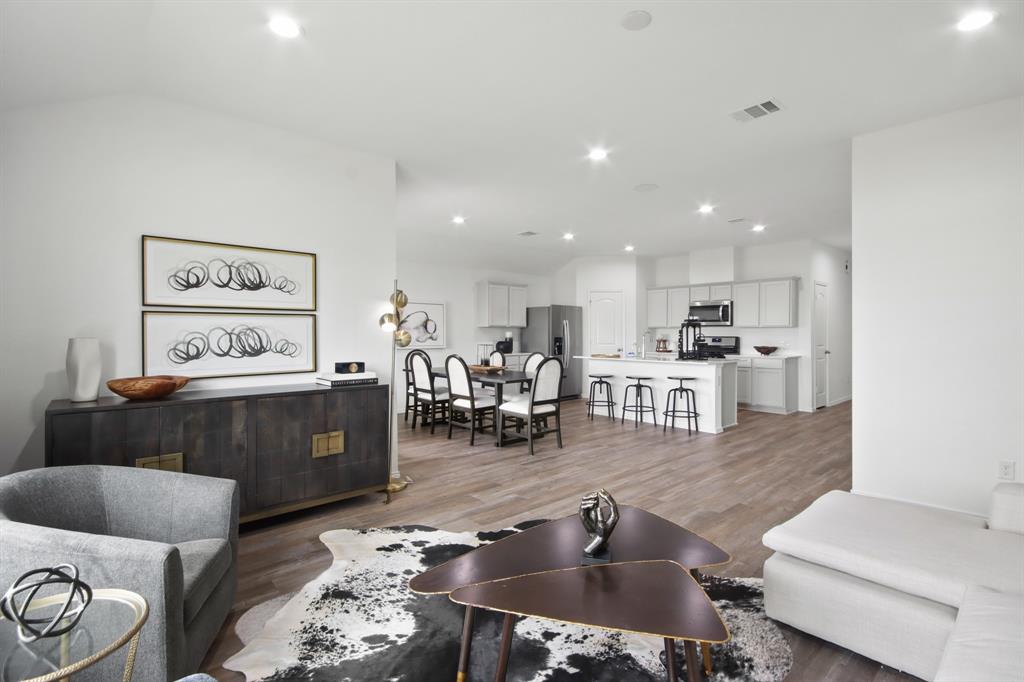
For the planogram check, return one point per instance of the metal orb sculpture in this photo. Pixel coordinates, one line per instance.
(399, 299)
(16, 602)
(599, 514)
(402, 338)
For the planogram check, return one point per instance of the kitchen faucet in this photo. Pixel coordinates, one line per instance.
(643, 346)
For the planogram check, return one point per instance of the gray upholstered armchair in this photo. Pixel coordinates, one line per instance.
(173, 538)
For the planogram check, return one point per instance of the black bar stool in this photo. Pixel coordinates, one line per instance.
(691, 407)
(638, 407)
(602, 387)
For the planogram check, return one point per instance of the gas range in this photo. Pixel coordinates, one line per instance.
(702, 355)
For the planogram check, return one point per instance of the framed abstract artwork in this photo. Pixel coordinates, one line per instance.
(206, 345)
(425, 322)
(195, 274)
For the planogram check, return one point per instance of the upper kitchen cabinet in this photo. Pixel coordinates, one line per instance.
(700, 293)
(746, 304)
(720, 292)
(500, 305)
(516, 306)
(777, 303)
(657, 308)
(678, 306)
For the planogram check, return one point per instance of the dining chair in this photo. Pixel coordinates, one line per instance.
(533, 361)
(543, 403)
(429, 401)
(497, 359)
(410, 388)
(464, 401)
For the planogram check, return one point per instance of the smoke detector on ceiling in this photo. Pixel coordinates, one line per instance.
(756, 111)
(528, 233)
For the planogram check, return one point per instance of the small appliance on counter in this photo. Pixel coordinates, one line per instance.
(661, 346)
(506, 345)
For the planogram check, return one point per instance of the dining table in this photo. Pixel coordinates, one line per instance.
(498, 380)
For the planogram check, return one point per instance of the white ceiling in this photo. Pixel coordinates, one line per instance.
(489, 107)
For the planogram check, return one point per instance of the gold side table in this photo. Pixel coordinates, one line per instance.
(113, 619)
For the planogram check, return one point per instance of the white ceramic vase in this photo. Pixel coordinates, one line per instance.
(83, 365)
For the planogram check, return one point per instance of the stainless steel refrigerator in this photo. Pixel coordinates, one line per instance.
(558, 330)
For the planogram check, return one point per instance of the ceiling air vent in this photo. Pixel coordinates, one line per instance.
(756, 111)
(528, 233)
(736, 220)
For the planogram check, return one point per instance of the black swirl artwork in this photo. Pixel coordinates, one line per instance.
(237, 275)
(242, 341)
(420, 325)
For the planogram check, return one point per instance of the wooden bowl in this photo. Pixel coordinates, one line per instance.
(766, 350)
(147, 388)
(485, 369)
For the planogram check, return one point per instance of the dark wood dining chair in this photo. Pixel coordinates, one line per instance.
(464, 401)
(429, 401)
(542, 405)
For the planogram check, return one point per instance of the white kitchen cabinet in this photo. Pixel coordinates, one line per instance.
(700, 293)
(777, 303)
(500, 305)
(746, 304)
(678, 306)
(768, 384)
(720, 292)
(516, 306)
(743, 385)
(657, 308)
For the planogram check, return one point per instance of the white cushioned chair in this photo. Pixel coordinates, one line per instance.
(542, 405)
(430, 401)
(465, 401)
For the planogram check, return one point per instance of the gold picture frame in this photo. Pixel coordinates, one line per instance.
(190, 273)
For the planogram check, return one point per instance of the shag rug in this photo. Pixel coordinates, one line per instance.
(358, 621)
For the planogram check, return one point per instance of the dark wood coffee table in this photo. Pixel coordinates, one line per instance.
(557, 545)
(658, 598)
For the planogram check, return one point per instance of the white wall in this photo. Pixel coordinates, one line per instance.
(670, 271)
(82, 181)
(456, 288)
(712, 265)
(938, 246)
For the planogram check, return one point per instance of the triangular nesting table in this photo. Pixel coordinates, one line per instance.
(643, 546)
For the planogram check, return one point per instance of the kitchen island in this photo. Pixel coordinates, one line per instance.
(715, 386)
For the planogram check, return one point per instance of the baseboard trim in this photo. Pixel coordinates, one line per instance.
(837, 401)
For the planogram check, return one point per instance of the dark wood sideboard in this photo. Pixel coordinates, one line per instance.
(289, 447)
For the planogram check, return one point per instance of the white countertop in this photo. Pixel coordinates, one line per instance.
(661, 360)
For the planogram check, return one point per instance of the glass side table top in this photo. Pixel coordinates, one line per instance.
(112, 620)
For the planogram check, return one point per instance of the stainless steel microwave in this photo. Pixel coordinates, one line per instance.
(712, 313)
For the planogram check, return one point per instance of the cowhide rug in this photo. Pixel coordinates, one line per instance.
(358, 621)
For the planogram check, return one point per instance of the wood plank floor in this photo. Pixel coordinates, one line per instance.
(730, 488)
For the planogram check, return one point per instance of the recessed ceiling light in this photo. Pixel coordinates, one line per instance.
(645, 187)
(284, 27)
(705, 209)
(758, 228)
(568, 236)
(637, 20)
(629, 247)
(597, 154)
(975, 20)
(459, 219)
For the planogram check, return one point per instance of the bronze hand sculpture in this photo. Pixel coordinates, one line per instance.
(598, 522)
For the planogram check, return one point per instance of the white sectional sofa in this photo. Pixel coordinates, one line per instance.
(935, 593)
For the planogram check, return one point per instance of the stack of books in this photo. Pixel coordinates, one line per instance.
(336, 379)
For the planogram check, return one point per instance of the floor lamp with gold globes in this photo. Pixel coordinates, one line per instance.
(400, 338)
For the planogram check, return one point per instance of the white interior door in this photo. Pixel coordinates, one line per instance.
(606, 315)
(821, 351)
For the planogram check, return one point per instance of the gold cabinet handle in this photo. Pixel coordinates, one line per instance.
(172, 461)
(330, 443)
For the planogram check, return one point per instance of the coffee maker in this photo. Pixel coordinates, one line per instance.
(692, 343)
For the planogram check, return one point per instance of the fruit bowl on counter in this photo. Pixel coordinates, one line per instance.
(766, 350)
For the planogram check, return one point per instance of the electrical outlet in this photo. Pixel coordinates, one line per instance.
(1007, 470)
